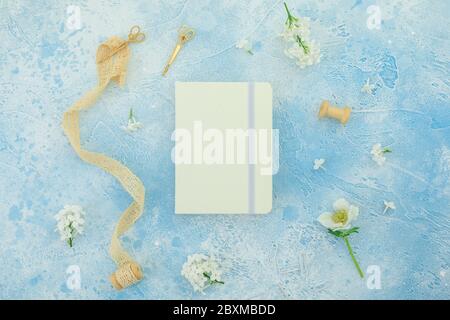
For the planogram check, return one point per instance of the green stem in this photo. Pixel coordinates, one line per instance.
(70, 241)
(287, 10)
(290, 19)
(302, 45)
(216, 282)
(130, 116)
(361, 274)
(211, 282)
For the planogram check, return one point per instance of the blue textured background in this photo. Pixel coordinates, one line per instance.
(44, 68)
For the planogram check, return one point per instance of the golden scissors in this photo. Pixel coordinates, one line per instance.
(135, 36)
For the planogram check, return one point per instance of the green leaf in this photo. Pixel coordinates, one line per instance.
(291, 20)
(343, 233)
(302, 45)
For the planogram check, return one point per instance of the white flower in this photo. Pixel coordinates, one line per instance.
(378, 154)
(318, 164)
(305, 55)
(388, 205)
(246, 45)
(133, 125)
(368, 87)
(342, 217)
(338, 224)
(299, 47)
(201, 271)
(70, 222)
(301, 29)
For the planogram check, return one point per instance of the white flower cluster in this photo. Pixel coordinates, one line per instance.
(378, 152)
(201, 271)
(296, 34)
(70, 221)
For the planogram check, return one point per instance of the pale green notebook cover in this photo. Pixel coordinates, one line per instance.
(223, 147)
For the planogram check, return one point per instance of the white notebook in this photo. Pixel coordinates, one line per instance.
(223, 151)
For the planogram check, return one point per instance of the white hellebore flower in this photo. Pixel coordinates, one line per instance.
(388, 205)
(368, 87)
(318, 164)
(132, 125)
(378, 152)
(245, 45)
(342, 217)
(201, 271)
(70, 222)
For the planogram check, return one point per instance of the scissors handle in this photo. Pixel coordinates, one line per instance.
(185, 34)
(136, 35)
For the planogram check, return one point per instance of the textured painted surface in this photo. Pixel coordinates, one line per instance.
(45, 67)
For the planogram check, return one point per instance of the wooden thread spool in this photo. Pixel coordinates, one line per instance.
(126, 275)
(330, 111)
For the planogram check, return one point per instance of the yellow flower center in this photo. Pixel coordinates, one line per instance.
(340, 216)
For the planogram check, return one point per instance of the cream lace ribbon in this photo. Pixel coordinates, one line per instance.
(112, 59)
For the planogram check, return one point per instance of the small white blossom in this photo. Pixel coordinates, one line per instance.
(342, 217)
(70, 222)
(133, 125)
(201, 271)
(388, 205)
(368, 87)
(378, 153)
(245, 45)
(318, 164)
